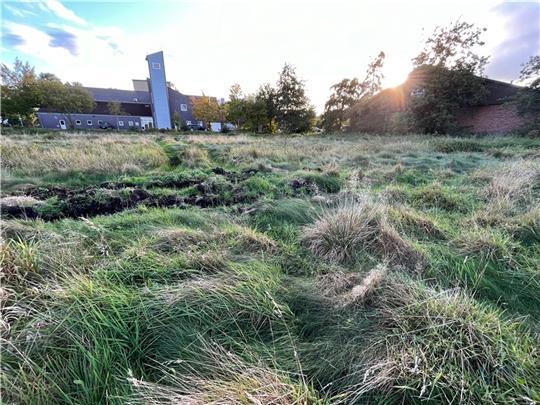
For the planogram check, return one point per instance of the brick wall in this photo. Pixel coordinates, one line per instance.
(490, 118)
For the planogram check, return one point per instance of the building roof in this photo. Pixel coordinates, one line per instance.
(499, 92)
(396, 98)
(122, 96)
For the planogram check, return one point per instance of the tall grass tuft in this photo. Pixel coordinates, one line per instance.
(444, 346)
(354, 228)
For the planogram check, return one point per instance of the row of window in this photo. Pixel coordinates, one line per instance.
(100, 122)
(198, 123)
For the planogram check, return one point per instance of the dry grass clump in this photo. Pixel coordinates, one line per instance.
(342, 233)
(513, 183)
(398, 251)
(228, 379)
(194, 156)
(19, 201)
(445, 347)
(212, 261)
(247, 239)
(13, 229)
(338, 281)
(411, 221)
(393, 195)
(98, 155)
(18, 261)
(180, 239)
(486, 244)
(351, 288)
(219, 139)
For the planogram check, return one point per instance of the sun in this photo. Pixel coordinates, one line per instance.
(395, 77)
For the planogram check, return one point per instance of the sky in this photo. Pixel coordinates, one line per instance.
(211, 44)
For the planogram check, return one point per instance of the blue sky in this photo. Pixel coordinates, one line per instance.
(210, 45)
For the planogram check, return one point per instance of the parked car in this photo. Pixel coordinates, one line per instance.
(195, 127)
(106, 125)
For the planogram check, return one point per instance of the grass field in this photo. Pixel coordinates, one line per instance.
(241, 269)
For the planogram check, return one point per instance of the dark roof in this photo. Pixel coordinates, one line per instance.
(499, 92)
(123, 96)
(396, 98)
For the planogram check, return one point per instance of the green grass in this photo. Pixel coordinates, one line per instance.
(310, 270)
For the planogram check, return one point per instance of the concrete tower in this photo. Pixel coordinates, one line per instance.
(158, 91)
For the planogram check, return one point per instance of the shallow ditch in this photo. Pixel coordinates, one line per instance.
(56, 201)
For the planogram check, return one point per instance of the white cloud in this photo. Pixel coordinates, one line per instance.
(63, 12)
(18, 11)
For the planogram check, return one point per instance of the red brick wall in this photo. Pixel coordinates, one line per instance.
(490, 118)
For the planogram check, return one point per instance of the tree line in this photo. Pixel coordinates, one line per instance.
(24, 92)
(283, 107)
(449, 67)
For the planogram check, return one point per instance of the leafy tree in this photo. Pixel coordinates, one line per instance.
(528, 99)
(294, 112)
(258, 112)
(48, 76)
(235, 108)
(115, 108)
(23, 92)
(66, 98)
(348, 93)
(206, 109)
(449, 70)
(20, 91)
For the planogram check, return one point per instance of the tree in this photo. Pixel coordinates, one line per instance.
(450, 73)
(49, 77)
(115, 108)
(20, 91)
(528, 99)
(348, 93)
(294, 113)
(235, 108)
(66, 98)
(261, 110)
(206, 109)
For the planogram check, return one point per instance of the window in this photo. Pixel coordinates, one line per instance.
(417, 92)
(188, 122)
(183, 107)
(120, 123)
(89, 122)
(78, 122)
(136, 124)
(130, 123)
(156, 65)
(200, 123)
(99, 122)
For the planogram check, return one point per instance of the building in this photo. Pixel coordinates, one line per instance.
(151, 104)
(494, 113)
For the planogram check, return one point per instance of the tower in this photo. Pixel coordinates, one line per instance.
(158, 91)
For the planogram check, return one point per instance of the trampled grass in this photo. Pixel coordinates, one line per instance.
(270, 269)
